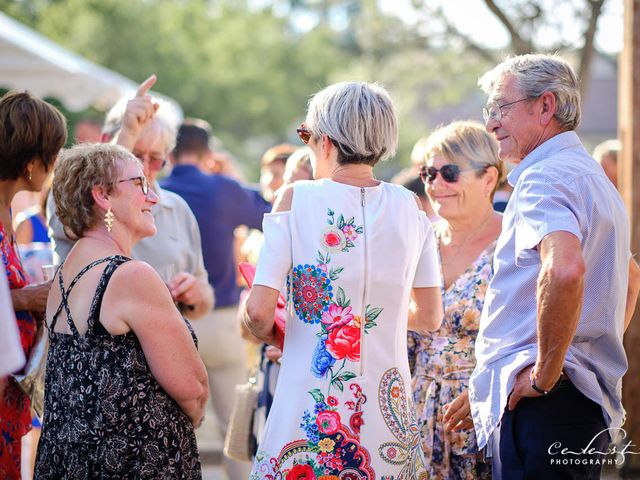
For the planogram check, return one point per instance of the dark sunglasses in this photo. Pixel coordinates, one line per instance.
(450, 172)
(303, 133)
(144, 184)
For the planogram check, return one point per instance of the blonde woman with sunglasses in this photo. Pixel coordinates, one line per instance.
(461, 172)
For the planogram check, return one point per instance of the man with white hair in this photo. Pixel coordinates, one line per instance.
(546, 392)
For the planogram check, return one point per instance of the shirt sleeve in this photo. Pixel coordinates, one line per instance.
(199, 270)
(544, 205)
(195, 246)
(275, 258)
(249, 206)
(428, 271)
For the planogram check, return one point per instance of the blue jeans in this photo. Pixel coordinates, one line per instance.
(530, 439)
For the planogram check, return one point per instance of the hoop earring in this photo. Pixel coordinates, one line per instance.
(108, 219)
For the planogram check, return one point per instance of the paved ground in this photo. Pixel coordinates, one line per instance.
(210, 444)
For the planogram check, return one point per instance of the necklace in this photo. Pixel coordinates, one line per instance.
(457, 246)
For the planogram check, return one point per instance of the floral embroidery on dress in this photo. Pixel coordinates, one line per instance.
(337, 449)
(332, 448)
(314, 302)
(395, 410)
(312, 292)
(339, 235)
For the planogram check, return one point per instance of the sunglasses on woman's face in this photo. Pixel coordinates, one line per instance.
(304, 133)
(450, 172)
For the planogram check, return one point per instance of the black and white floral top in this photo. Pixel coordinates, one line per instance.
(105, 414)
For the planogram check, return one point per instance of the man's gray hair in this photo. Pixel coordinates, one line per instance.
(358, 117)
(538, 73)
(165, 118)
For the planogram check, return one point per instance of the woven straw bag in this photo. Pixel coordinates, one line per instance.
(240, 443)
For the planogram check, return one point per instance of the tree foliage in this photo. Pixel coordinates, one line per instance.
(242, 69)
(248, 67)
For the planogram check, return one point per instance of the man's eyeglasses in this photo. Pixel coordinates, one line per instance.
(156, 162)
(493, 111)
(450, 172)
(304, 133)
(144, 184)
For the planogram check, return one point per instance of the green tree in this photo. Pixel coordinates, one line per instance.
(242, 69)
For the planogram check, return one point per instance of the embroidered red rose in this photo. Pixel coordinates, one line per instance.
(355, 422)
(345, 342)
(332, 401)
(328, 422)
(301, 472)
(332, 239)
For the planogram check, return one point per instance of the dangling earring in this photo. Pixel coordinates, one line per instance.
(108, 219)
(30, 176)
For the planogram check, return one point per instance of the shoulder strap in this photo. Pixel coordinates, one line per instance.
(64, 303)
(96, 303)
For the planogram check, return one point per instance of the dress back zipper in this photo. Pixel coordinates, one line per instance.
(363, 319)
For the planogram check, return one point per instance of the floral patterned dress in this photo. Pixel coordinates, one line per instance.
(105, 414)
(342, 407)
(442, 363)
(15, 415)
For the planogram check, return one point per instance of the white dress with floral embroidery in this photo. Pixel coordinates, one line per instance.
(342, 407)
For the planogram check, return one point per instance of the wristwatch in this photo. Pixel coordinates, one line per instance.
(541, 391)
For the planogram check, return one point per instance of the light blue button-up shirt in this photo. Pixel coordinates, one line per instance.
(557, 187)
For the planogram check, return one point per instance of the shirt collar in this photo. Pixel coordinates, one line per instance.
(164, 199)
(559, 142)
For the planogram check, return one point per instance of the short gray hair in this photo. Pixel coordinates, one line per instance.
(538, 73)
(164, 119)
(358, 117)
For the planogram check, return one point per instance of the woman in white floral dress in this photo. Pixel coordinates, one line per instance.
(353, 251)
(461, 172)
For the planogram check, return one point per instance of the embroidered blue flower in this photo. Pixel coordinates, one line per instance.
(322, 360)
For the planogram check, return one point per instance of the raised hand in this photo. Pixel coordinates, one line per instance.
(139, 112)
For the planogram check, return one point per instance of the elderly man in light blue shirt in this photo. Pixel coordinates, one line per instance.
(550, 358)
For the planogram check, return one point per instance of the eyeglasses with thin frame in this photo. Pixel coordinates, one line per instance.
(493, 111)
(144, 183)
(156, 162)
(450, 172)
(304, 133)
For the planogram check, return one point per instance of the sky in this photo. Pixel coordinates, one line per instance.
(473, 18)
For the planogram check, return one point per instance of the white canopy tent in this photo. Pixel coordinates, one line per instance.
(30, 61)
